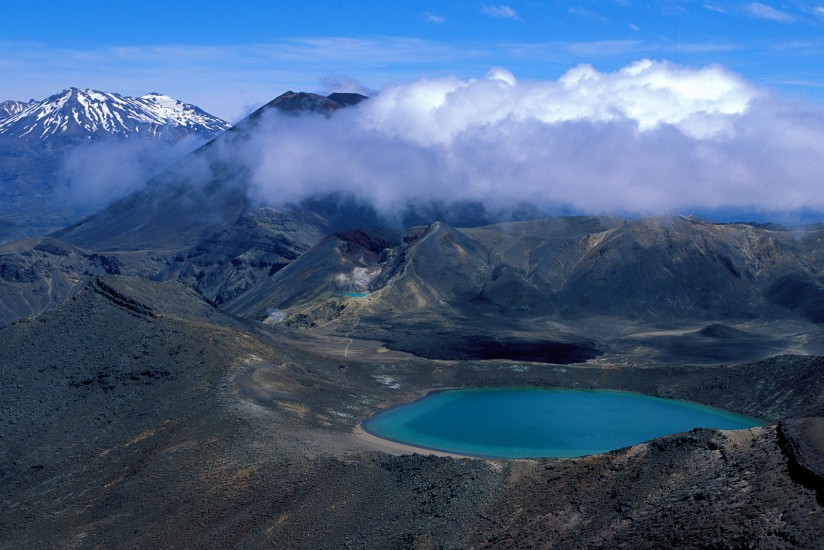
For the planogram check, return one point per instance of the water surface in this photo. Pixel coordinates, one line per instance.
(536, 422)
(351, 294)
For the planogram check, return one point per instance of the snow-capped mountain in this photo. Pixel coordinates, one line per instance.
(90, 115)
(60, 157)
(11, 107)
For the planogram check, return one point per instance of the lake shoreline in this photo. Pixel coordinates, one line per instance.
(533, 422)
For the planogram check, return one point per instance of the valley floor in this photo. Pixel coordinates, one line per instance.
(141, 416)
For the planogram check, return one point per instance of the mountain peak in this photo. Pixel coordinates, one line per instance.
(11, 107)
(346, 99)
(90, 114)
(296, 103)
(303, 102)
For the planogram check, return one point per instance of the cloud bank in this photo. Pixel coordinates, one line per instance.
(652, 137)
(501, 12)
(97, 173)
(763, 11)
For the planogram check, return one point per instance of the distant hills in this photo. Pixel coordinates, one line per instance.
(196, 223)
(440, 291)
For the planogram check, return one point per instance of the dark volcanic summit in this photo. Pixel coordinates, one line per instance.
(306, 103)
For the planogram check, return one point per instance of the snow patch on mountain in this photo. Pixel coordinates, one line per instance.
(92, 115)
(10, 108)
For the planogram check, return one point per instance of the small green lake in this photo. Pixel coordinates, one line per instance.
(351, 294)
(535, 422)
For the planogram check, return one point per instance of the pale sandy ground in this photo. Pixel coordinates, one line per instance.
(376, 443)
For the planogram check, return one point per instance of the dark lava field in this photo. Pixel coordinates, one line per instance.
(189, 369)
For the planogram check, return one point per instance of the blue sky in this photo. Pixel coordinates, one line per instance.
(611, 106)
(229, 58)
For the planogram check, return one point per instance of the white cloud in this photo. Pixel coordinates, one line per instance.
(651, 137)
(763, 11)
(99, 172)
(645, 93)
(717, 9)
(500, 73)
(587, 14)
(501, 12)
(342, 83)
(433, 18)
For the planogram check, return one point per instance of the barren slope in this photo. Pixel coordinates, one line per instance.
(137, 414)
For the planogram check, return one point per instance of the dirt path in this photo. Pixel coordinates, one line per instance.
(352, 330)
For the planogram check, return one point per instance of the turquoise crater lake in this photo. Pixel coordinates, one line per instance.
(535, 422)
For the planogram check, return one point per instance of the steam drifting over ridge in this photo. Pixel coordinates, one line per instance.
(652, 137)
